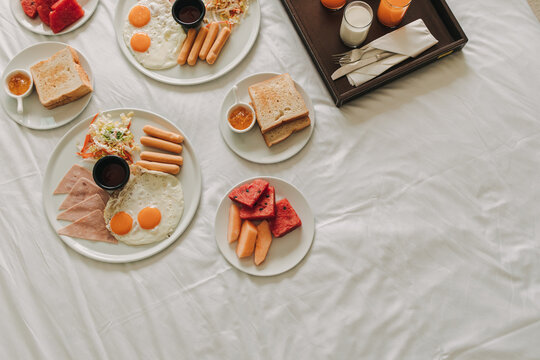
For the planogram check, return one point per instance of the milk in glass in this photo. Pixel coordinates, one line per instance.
(355, 24)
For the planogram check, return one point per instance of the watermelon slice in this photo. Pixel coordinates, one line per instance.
(29, 7)
(64, 13)
(286, 219)
(265, 207)
(248, 194)
(44, 9)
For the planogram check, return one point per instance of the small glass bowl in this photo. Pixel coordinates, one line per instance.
(179, 4)
(99, 172)
(19, 98)
(232, 108)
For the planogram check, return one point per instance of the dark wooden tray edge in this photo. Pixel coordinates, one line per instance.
(301, 33)
(339, 100)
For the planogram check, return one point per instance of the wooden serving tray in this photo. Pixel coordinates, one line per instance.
(319, 29)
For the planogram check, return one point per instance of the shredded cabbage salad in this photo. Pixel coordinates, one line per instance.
(109, 137)
(230, 11)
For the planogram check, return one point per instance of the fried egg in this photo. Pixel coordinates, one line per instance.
(147, 209)
(152, 35)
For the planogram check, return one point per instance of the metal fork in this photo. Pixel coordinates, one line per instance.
(349, 56)
(340, 55)
(353, 55)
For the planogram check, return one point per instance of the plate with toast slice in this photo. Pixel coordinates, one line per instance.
(285, 118)
(63, 85)
(59, 17)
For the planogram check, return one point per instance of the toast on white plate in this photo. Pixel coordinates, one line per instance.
(277, 101)
(60, 79)
(282, 132)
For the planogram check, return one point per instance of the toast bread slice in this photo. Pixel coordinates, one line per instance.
(276, 101)
(282, 132)
(60, 79)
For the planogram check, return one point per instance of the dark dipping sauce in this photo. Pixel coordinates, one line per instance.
(111, 172)
(189, 14)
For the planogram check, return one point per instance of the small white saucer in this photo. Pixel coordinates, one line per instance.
(36, 116)
(251, 145)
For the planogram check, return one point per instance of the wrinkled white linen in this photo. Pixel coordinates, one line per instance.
(426, 196)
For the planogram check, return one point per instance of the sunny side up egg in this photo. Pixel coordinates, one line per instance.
(147, 209)
(152, 35)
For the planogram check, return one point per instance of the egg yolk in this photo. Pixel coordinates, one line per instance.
(140, 42)
(149, 217)
(139, 16)
(121, 223)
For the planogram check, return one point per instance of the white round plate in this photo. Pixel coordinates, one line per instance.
(285, 252)
(235, 50)
(63, 157)
(36, 116)
(251, 145)
(37, 26)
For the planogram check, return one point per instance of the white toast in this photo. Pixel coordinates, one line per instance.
(282, 132)
(277, 101)
(60, 79)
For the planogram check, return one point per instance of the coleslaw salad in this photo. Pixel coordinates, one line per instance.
(229, 11)
(109, 137)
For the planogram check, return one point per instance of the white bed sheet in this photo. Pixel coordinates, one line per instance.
(426, 195)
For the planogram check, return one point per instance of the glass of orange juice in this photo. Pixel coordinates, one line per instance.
(391, 12)
(333, 4)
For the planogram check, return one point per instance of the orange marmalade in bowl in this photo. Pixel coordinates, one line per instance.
(18, 84)
(240, 117)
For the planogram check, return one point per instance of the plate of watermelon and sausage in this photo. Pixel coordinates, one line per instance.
(52, 17)
(264, 226)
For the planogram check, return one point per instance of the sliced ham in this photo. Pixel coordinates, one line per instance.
(82, 190)
(90, 227)
(83, 208)
(75, 173)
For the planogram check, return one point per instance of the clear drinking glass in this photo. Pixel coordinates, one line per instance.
(357, 19)
(391, 12)
(333, 4)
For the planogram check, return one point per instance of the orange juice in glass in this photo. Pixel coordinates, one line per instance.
(333, 4)
(391, 12)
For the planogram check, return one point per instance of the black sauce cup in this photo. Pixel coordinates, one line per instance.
(102, 170)
(179, 4)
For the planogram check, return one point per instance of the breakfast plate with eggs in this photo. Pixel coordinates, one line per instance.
(151, 40)
(152, 209)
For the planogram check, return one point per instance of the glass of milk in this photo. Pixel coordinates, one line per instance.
(355, 24)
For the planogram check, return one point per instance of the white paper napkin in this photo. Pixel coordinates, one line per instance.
(409, 41)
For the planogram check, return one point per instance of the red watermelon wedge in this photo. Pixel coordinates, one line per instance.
(265, 208)
(29, 7)
(286, 219)
(248, 194)
(44, 9)
(64, 13)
